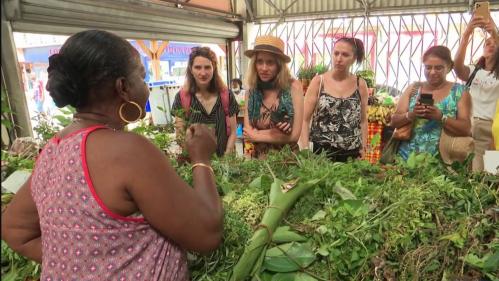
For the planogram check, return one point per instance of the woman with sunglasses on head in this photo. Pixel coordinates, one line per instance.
(274, 100)
(483, 86)
(448, 106)
(336, 104)
(205, 99)
(103, 203)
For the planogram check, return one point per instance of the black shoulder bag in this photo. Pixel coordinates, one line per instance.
(472, 76)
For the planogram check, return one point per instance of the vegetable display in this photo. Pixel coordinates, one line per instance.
(298, 216)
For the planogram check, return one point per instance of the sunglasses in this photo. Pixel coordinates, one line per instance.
(436, 68)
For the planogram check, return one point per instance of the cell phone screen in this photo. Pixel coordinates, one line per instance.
(426, 98)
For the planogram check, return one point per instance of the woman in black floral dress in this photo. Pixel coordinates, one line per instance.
(339, 123)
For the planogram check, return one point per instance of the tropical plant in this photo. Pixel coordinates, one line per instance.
(368, 76)
(320, 68)
(47, 126)
(306, 72)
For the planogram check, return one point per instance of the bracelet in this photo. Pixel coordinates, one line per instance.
(443, 119)
(202, 165)
(407, 116)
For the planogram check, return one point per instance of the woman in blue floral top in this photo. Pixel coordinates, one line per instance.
(451, 109)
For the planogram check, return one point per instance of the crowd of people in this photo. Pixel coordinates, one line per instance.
(331, 117)
(83, 220)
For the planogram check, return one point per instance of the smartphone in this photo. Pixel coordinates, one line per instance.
(277, 117)
(482, 9)
(426, 98)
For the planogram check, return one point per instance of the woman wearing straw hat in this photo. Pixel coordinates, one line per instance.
(274, 99)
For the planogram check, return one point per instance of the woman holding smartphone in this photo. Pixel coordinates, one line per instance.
(274, 99)
(433, 105)
(483, 86)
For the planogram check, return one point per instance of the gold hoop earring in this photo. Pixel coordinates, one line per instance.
(121, 113)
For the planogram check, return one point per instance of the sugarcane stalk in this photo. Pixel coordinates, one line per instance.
(280, 203)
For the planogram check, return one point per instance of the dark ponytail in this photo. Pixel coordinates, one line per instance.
(357, 46)
(87, 60)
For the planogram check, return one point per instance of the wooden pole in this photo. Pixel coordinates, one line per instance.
(13, 84)
(154, 53)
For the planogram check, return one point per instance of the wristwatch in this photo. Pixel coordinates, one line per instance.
(443, 119)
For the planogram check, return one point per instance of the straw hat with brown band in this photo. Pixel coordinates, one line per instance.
(269, 44)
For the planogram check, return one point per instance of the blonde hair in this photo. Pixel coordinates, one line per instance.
(283, 77)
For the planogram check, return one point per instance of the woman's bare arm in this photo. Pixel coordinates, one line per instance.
(21, 225)
(311, 99)
(402, 116)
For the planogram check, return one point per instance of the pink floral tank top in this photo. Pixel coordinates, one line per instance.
(81, 238)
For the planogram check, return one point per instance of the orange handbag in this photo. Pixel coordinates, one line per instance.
(404, 133)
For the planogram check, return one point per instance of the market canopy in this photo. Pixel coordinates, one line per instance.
(133, 19)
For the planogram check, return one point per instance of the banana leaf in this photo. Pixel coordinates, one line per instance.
(280, 201)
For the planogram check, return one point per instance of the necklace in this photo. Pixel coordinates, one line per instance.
(104, 120)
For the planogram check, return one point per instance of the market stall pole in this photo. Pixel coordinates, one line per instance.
(12, 79)
(154, 53)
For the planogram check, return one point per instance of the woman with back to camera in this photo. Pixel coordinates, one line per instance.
(102, 203)
(483, 88)
(274, 100)
(449, 107)
(339, 125)
(205, 99)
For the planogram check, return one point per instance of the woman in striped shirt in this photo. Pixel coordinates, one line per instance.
(205, 99)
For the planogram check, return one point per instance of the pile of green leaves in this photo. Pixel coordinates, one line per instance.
(159, 135)
(16, 267)
(12, 163)
(410, 221)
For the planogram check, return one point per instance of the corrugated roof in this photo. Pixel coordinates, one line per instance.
(265, 9)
